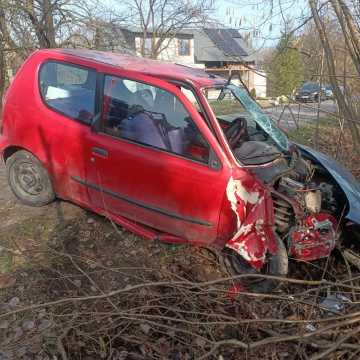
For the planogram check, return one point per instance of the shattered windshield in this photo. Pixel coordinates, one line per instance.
(232, 102)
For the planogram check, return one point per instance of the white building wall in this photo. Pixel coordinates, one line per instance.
(171, 53)
(260, 83)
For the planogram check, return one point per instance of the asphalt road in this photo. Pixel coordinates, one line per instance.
(304, 112)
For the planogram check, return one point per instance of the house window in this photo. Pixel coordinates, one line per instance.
(184, 47)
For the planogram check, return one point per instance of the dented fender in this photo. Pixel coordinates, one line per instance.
(252, 204)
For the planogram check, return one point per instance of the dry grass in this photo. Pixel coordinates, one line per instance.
(104, 293)
(88, 290)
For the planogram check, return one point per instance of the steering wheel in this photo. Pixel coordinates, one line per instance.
(237, 131)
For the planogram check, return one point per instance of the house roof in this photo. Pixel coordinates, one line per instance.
(226, 41)
(155, 68)
(221, 45)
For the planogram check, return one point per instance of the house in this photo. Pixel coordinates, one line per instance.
(221, 52)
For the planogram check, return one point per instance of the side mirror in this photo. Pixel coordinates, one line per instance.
(96, 123)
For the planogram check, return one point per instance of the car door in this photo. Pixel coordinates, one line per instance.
(150, 159)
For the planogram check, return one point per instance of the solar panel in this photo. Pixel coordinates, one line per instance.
(224, 40)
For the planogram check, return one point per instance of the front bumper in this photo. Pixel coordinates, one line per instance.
(304, 98)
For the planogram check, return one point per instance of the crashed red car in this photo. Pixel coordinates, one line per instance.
(173, 154)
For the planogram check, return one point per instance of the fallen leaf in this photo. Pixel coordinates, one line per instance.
(6, 281)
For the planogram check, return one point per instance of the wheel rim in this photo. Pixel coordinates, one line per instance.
(28, 179)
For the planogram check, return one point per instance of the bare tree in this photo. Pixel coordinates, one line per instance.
(350, 30)
(39, 15)
(4, 38)
(160, 20)
(35, 24)
(343, 98)
(2, 71)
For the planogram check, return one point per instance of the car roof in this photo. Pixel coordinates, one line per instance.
(155, 68)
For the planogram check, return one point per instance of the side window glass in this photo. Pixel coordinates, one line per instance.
(151, 116)
(69, 89)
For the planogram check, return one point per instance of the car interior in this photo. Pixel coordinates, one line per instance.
(69, 90)
(130, 109)
(150, 116)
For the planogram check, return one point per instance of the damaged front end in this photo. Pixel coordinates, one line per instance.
(254, 213)
(307, 206)
(285, 195)
(289, 198)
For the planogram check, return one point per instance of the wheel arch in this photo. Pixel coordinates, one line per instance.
(11, 150)
(46, 194)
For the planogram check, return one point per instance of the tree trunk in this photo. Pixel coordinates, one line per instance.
(97, 37)
(2, 73)
(2, 58)
(48, 15)
(345, 107)
(351, 35)
(43, 22)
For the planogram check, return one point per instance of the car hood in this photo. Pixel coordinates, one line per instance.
(343, 178)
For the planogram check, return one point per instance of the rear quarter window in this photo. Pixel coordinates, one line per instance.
(69, 89)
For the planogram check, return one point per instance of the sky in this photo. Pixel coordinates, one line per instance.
(265, 22)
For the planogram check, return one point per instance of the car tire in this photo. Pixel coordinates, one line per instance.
(276, 265)
(29, 180)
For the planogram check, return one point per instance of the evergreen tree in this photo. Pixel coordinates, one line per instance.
(285, 71)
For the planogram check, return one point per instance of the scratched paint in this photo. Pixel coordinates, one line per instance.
(237, 194)
(253, 233)
(315, 238)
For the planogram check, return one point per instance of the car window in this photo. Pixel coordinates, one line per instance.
(69, 89)
(151, 116)
(310, 87)
(224, 105)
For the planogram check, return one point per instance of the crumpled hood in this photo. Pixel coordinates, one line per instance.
(343, 177)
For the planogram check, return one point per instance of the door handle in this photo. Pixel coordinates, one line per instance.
(99, 151)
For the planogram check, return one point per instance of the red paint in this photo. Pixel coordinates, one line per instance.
(158, 179)
(255, 236)
(315, 239)
(235, 290)
(153, 177)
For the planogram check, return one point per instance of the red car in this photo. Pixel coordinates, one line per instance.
(175, 154)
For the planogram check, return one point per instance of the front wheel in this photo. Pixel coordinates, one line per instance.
(29, 180)
(276, 265)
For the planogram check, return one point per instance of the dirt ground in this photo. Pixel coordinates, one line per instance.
(75, 286)
(61, 250)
